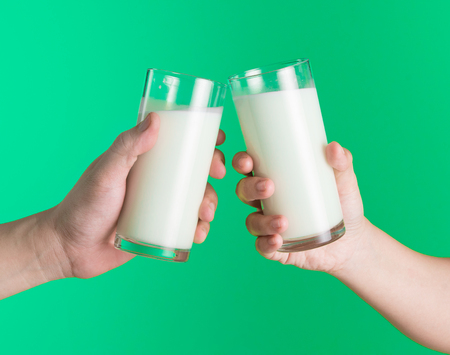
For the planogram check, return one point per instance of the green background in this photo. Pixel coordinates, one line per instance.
(72, 75)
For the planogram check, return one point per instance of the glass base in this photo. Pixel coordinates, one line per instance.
(151, 250)
(314, 241)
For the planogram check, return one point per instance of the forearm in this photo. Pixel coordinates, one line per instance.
(409, 289)
(29, 254)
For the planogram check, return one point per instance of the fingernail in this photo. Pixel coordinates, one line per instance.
(276, 223)
(144, 124)
(212, 206)
(261, 186)
(343, 151)
(272, 240)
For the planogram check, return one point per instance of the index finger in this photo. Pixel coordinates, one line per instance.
(220, 137)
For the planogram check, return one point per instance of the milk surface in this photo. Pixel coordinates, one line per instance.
(166, 185)
(285, 136)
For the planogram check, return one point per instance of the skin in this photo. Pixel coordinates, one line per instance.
(75, 238)
(409, 289)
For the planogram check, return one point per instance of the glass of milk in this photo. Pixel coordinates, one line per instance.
(166, 185)
(280, 118)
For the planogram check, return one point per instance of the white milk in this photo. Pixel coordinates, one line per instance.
(285, 136)
(166, 185)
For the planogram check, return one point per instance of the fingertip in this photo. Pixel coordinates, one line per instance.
(201, 232)
(334, 148)
(270, 188)
(275, 240)
(268, 245)
(337, 156)
(223, 172)
(144, 124)
(208, 206)
(242, 163)
(148, 133)
(264, 187)
(155, 121)
(284, 224)
(221, 137)
(281, 224)
(217, 170)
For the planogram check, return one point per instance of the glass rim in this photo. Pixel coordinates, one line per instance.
(218, 83)
(266, 69)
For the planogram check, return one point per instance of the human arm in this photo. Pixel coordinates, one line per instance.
(75, 238)
(30, 254)
(411, 290)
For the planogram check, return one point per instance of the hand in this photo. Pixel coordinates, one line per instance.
(85, 221)
(329, 258)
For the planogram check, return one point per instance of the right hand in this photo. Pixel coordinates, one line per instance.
(330, 258)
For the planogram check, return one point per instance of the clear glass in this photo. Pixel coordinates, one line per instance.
(280, 118)
(166, 185)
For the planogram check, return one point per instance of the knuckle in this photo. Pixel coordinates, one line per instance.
(215, 198)
(212, 197)
(123, 148)
(206, 226)
(120, 145)
(350, 157)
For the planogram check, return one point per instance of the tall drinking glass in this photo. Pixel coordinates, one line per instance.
(280, 118)
(166, 185)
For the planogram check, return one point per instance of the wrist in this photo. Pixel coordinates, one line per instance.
(30, 254)
(49, 253)
(363, 254)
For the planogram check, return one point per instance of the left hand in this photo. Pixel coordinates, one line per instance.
(84, 223)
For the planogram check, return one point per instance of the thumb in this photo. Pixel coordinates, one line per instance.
(341, 160)
(136, 141)
(117, 161)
